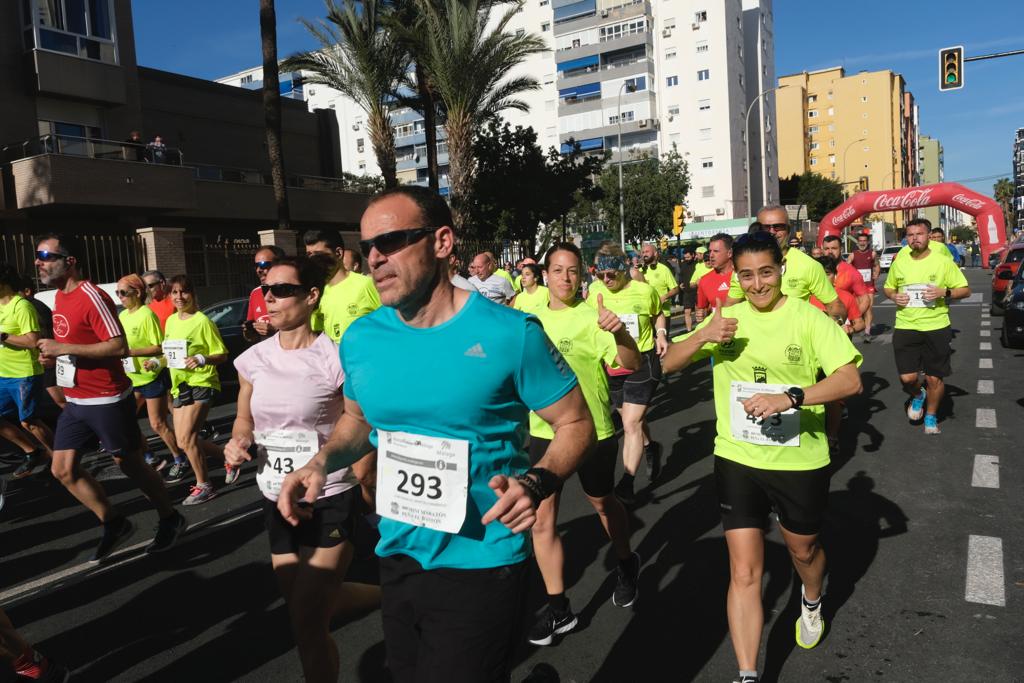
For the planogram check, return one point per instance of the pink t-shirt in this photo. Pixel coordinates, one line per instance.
(296, 389)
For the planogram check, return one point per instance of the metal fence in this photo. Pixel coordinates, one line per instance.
(505, 251)
(106, 257)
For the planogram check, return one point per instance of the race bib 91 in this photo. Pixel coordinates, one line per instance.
(175, 351)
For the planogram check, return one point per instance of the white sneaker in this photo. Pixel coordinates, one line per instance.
(809, 626)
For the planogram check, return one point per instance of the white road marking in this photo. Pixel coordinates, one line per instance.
(984, 363)
(986, 471)
(985, 583)
(985, 333)
(984, 314)
(985, 346)
(986, 386)
(986, 323)
(985, 418)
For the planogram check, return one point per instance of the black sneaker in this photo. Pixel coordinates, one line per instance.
(551, 623)
(626, 590)
(29, 465)
(748, 679)
(652, 460)
(168, 531)
(114, 533)
(624, 492)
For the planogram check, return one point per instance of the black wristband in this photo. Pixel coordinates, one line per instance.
(3, 337)
(532, 488)
(540, 485)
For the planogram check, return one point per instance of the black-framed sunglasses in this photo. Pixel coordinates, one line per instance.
(776, 226)
(389, 242)
(128, 292)
(759, 236)
(283, 290)
(44, 255)
(263, 265)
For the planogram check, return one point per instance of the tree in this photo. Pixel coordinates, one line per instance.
(819, 193)
(360, 57)
(1002, 191)
(467, 64)
(651, 188)
(516, 187)
(272, 110)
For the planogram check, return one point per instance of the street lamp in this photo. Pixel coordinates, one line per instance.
(628, 87)
(847, 149)
(746, 132)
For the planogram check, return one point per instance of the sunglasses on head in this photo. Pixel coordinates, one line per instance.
(50, 255)
(283, 290)
(389, 242)
(152, 285)
(263, 265)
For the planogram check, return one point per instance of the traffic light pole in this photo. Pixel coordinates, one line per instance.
(994, 55)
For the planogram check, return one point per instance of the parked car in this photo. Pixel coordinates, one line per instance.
(228, 316)
(885, 260)
(1003, 273)
(1013, 306)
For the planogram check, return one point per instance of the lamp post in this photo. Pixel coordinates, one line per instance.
(629, 87)
(847, 149)
(746, 141)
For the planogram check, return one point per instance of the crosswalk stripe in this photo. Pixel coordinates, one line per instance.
(985, 346)
(986, 471)
(984, 363)
(986, 386)
(985, 583)
(985, 418)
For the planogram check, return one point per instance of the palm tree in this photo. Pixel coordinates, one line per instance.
(272, 110)
(1002, 191)
(359, 57)
(467, 63)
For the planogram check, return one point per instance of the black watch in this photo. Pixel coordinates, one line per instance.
(3, 337)
(949, 292)
(796, 394)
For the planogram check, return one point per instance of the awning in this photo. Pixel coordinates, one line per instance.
(576, 9)
(585, 145)
(581, 63)
(580, 90)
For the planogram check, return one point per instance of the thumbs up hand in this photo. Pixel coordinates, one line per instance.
(606, 320)
(720, 329)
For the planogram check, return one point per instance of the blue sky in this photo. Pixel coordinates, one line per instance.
(212, 38)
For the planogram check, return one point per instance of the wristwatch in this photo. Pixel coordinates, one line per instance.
(3, 337)
(796, 395)
(949, 292)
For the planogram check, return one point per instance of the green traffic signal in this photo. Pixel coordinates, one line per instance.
(951, 62)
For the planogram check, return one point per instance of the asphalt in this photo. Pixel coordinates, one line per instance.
(902, 515)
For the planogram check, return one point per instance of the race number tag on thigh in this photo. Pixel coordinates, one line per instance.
(128, 363)
(287, 450)
(422, 480)
(865, 274)
(781, 429)
(175, 351)
(65, 370)
(916, 294)
(632, 323)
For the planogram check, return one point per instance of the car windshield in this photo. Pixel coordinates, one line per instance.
(891, 250)
(1015, 256)
(227, 313)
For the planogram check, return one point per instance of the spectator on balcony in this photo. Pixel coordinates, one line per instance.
(134, 147)
(156, 151)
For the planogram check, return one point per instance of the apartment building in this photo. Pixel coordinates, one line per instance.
(1018, 180)
(930, 160)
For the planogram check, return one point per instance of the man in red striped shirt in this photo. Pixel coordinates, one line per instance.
(713, 287)
(87, 347)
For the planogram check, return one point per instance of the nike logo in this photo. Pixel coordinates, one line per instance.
(475, 351)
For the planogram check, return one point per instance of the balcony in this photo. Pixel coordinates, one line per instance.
(627, 10)
(618, 69)
(85, 79)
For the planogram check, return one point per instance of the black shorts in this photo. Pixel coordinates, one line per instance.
(597, 473)
(451, 625)
(928, 351)
(188, 394)
(114, 424)
(158, 387)
(688, 298)
(747, 494)
(332, 522)
(49, 377)
(637, 387)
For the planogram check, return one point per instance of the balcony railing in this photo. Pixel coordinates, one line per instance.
(252, 176)
(94, 148)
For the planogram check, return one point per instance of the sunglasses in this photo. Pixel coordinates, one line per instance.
(263, 265)
(153, 285)
(123, 293)
(776, 227)
(283, 290)
(50, 255)
(389, 242)
(608, 274)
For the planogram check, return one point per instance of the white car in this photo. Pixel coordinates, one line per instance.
(49, 296)
(885, 260)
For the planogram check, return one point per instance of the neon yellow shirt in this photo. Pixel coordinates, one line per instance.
(587, 348)
(635, 299)
(343, 303)
(142, 328)
(531, 303)
(801, 277)
(17, 317)
(661, 278)
(699, 271)
(501, 272)
(786, 346)
(517, 284)
(933, 269)
(203, 337)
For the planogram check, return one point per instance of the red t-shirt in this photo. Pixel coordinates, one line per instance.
(713, 286)
(863, 260)
(852, 312)
(163, 310)
(87, 316)
(257, 306)
(848, 278)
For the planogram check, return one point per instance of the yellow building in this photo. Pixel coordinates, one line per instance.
(848, 127)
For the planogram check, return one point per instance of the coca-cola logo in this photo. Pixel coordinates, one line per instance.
(967, 201)
(908, 200)
(847, 213)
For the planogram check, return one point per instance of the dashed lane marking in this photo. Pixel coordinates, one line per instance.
(985, 583)
(985, 333)
(985, 346)
(985, 418)
(986, 323)
(986, 471)
(984, 363)
(986, 386)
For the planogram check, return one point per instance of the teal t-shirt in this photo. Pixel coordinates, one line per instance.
(475, 378)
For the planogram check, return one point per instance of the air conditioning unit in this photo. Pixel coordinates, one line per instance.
(689, 215)
(604, 13)
(666, 33)
(312, 92)
(696, 26)
(643, 123)
(416, 158)
(719, 212)
(355, 126)
(671, 118)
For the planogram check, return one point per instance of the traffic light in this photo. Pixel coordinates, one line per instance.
(862, 184)
(677, 219)
(664, 243)
(951, 68)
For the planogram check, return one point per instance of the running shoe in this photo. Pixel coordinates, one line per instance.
(626, 581)
(931, 425)
(747, 679)
(168, 531)
(155, 461)
(809, 626)
(114, 534)
(231, 474)
(551, 623)
(652, 460)
(43, 670)
(915, 411)
(624, 492)
(199, 494)
(179, 472)
(27, 466)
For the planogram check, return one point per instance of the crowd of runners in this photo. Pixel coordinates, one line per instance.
(462, 478)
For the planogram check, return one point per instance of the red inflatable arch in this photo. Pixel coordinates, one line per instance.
(987, 213)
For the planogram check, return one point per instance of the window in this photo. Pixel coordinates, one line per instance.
(863, 98)
(673, 110)
(247, 79)
(866, 148)
(549, 105)
(700, 17)
(675, 139)
(811, 130)
(627, 116)
(814, 146)
(811, 99)
(704, 134)
(545, 3)
(864, 115)
(77, 27)
(831, 128)
(670, 23)
(671, 81)
(703, 105)
(670, 53)
(639, 82)
(832, 159)
(814, 161)
(545, 27)
(740, 79)
(442, 148)
(707, 191)
(403, 130)
(360, 145)
(831, 111)
(702, 46)
(707, 163)
(550, 131)
(520, 32)
(832, 143)
(362, 165)
(704, 75)
(829, 94)
(812, 113)
(626, 28)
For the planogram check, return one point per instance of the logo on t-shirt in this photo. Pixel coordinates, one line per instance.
(637, 308)
(353, 309)
(794, 353)
(760, 375)
(565, 345)
(475, 351)
(61, 327)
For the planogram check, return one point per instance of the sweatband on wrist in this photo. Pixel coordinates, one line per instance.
(201, 359)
